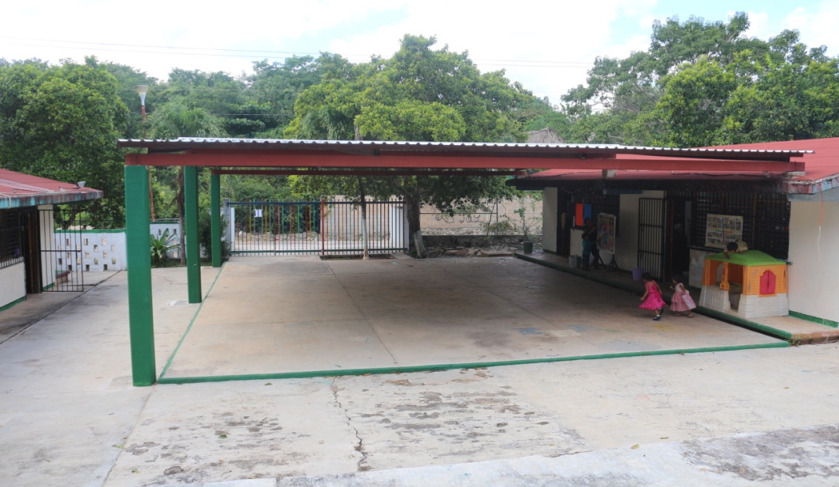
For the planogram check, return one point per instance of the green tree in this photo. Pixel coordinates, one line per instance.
(694, 103)
(177, 119)
(274, 87)
(419, 94)
(63, 123)
(706, 83)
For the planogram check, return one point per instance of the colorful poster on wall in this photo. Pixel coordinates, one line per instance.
(582, 212)
(606, 232)
(721, 229)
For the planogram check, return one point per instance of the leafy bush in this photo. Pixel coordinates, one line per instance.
(160, 247)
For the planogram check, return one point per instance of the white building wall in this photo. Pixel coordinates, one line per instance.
(12, 284)
(626, 243)
(549, 219)
(813, 244)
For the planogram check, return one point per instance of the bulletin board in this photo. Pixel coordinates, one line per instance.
(721, 229)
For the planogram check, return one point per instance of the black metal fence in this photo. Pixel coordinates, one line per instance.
(62, 254)
(323, 227)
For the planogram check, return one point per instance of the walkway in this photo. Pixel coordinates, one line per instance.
(790, 328)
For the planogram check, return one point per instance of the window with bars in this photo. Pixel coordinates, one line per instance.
(11, 237)
(765, 217)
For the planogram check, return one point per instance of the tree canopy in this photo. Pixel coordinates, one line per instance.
(698, 83)
(420, 94)
(705, 83)
(62, 123)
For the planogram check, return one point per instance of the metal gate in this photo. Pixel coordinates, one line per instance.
(651, 236)
(327, 228)
(62, 255)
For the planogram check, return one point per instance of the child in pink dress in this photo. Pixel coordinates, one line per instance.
(652, 296)
(681, 302)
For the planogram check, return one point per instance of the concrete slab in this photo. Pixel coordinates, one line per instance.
(275, 316)
(69, 415)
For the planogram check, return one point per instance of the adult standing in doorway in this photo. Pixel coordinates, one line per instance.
(589, 241)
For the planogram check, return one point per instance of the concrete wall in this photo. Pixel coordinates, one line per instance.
(12, 284)
(504, 213)
(814, 273)
(104, 250)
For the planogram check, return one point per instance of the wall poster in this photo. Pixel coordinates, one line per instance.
(606, 232)
(721, 229)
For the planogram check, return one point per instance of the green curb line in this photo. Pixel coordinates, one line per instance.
(441, 367)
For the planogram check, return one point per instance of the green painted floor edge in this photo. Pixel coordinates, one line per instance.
(469, 365)
(734, 320)
(189, 327)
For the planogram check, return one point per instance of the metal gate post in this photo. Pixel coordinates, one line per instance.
(138, 260)
(215, 218)
(193, 246)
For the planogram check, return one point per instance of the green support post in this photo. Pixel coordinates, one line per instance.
(193, 246)
(215, 218)
(138, 261)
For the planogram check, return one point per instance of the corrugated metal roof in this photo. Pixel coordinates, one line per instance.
(18, 190)
(820, 158)
(522, 149)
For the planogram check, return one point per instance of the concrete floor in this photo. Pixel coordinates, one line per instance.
(745, 417)
(286, 316)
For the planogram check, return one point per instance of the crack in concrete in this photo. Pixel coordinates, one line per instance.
(359, 446)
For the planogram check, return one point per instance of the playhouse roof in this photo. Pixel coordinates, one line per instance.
(18, 190)
(747, 258)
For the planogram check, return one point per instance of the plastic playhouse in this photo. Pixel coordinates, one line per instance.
(751, 284)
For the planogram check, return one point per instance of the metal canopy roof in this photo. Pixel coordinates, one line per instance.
(18, 190)
(360, 154)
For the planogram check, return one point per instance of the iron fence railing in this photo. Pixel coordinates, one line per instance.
(327, 228)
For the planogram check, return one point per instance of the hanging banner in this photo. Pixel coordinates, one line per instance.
(721, 229)
(606, 232)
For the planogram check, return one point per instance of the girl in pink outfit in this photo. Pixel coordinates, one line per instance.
(652, 296)
(681, 302)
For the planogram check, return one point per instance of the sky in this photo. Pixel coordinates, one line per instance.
(548, 46)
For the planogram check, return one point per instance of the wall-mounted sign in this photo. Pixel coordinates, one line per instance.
(721, 229)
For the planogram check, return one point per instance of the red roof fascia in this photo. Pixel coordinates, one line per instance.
(22, 190)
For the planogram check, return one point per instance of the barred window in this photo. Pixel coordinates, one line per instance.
(765, 217)
(11, 237)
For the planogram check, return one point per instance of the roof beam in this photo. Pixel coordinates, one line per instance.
(367, 172)
(280, 159)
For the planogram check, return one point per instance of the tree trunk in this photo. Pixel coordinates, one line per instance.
(412, 209)
(365, 254)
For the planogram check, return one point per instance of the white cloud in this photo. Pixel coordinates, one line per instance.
(547, 45)
(817, 26)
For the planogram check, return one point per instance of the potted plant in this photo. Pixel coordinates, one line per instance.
(527, 225)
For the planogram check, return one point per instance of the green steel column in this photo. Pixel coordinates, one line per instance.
(138, 260)
(215, 218)
(193, 246)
